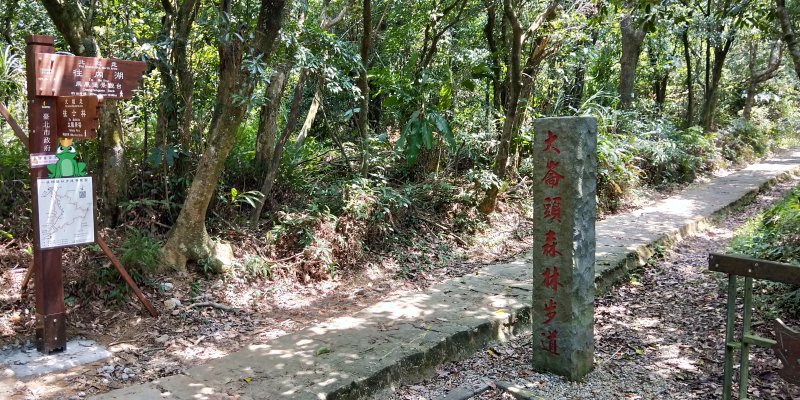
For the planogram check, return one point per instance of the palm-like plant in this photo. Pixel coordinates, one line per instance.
(11, 75)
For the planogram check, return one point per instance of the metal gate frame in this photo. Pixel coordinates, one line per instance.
(749, 268)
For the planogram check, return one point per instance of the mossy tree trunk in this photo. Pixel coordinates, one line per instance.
(632, 38)
(188, 240)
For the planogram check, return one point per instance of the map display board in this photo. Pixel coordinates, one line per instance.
(66, 211)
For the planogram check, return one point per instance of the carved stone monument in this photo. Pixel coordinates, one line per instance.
(565, 165)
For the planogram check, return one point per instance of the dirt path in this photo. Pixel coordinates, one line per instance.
(659, 335)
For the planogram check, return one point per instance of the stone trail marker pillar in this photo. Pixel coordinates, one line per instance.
(565, 165)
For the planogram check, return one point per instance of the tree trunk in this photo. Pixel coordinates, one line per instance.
(789, 35)
(113, 183)
(758, 77)
(279, 145)
(313, 109)
(268, 120)
(710, 103)
(632, 37)
(363, 84)
(326, 23)
(8, 17)
(660, 91)
(510, 124)
(188, 239)
(74, 22)
(494, 57)
(687, 56)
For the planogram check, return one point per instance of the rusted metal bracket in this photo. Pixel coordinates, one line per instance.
(51, 332)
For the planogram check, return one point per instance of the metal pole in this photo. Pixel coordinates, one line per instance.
(730, 345)
(744, 363)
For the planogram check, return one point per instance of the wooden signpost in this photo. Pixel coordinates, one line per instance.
(63, 102)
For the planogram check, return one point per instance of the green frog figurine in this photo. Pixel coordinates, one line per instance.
(66, 166)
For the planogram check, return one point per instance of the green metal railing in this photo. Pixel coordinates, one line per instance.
(750, 269)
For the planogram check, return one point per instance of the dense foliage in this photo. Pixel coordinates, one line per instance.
(774, 235)
(365, 120)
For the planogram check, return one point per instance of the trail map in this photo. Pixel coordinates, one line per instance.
(66, 212)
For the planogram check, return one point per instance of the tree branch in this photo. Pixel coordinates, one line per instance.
(546, 16)
(772, 66)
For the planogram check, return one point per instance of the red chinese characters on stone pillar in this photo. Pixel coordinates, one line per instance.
(552, 213)
(550, 342)
(549, 248)
(548, 143)
(550, 311)
(552, 178)
(552, 208)
(550, 278)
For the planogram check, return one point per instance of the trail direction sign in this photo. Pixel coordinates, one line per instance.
(78, 116)
(64, 75)
(63, 209)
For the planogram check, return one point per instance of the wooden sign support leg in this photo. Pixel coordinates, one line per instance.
(126, 277)
(51, 327)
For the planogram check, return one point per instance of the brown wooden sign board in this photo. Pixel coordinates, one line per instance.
(78, 116)
(63, 75)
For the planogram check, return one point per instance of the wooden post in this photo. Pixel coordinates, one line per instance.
(51, 328)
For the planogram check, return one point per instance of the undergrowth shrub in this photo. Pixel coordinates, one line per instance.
(774, 235)
(667, 155)
(743, 142)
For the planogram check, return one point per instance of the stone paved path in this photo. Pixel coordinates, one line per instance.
(402, 339)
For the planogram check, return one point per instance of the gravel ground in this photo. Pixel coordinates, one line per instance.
(659, 335)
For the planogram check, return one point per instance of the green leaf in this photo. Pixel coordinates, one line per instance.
(481, 70)
(469, 84)
(427, 135)
(444, 129)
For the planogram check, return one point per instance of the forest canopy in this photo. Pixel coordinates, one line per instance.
(330, 128)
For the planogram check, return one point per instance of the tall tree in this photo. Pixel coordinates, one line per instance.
(75, 23)
(789, 34)
(189, 239)
(687, 57)
(269, 146)
(725, 17)
(363, 82)
(632, 28)
(174, 117)
(518, 86)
